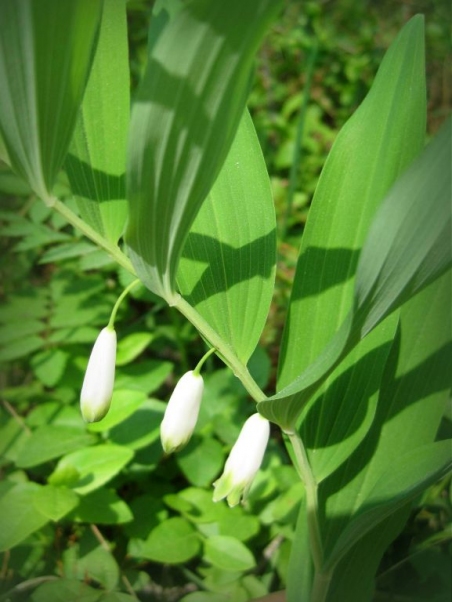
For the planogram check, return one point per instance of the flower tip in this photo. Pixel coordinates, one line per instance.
(97, 389)
(243, 462)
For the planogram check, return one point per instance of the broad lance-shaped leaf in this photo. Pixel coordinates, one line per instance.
(228, 262)
(398, 260)
(46, 51)
(381, 139)
(378, 142)
(183, 121)
(96, 162)
(413, 392)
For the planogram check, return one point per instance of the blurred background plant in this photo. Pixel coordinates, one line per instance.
(146, 527)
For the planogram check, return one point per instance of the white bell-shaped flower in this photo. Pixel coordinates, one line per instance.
(182, 412)
(99, 379)
(244, 461)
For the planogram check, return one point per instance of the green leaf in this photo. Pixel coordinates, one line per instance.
(65, 590)
(55, 502)
(53, 43)
(20, 348)
(142, 428)
(201, 461)
(52, 441)
(406, 477)
(97, 157)
(183, 122)
(131, 346)
(228, 553)
(339, 418)
(87, 559)
(18, 515)
(356, 177)
(414, 390)
(174, 541)
(102, 507)
(229, 258)
(49, 366)
(144, 376)
(94, 466)
(422, 191)
(123, 405)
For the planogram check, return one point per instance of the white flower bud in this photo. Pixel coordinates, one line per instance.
(182, 412)
(244, 461)
(99, 378)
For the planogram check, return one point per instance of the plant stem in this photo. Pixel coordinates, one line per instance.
(125, 292)
(185, 308)
(227, 354)
(113, 250)
(304, 470)
(200, 364)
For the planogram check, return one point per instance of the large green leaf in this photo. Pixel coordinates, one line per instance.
(89, 468)
(229, 257)
(46, 51)
(96, 161)
(397, 262)
(183, 122)
(403, 479)
(19, 517)
(380, 140)
(414, 389)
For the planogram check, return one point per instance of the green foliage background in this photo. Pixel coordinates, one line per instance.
(146, 526)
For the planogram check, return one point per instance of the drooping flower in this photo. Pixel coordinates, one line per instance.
(182, 412)
(97, 389)
(243, 462)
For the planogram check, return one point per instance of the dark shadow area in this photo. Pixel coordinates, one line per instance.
(430, 377)
(225, 265)
(93, 184)
(322, 269)
(333, 417)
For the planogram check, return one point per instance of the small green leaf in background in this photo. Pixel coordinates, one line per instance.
(49, 366)
(96, 161)
(185, 116)
(123, 404)
(53, 43)
(94, 466)
(142, 428)
(201, 461)
(55, 502)
(51, 441)
(228, 553)
(18, 515)
(102, 507)
(173, 541)
(88, 559)
(131, 346)
(228, 261)
(65, 590)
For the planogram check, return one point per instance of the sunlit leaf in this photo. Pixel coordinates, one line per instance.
(183, 122)
(355, 178)
(46, 52)
(229, 258)
(97, 157)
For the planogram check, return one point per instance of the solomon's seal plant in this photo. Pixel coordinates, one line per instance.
(175, 191)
